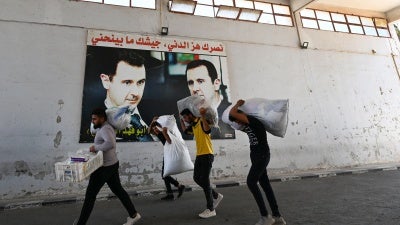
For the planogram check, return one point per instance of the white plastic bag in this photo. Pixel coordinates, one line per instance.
(272, 113)
(118, 117)
(194, 103)
(176, 157)
(93, 130)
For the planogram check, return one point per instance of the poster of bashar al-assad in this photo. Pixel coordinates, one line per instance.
(144, 76)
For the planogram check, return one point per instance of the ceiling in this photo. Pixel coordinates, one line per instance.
(372, 5)
(390, 8)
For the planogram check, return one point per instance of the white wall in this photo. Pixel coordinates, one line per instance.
(343, 98)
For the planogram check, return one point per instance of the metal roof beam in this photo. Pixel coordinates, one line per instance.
(298, 5)
(393, 14)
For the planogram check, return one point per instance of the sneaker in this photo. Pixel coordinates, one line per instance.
(279, 220)
(131, 221)
(168, 197)
(207, 214)
(181, 189)
(266, 220)
(217, 200)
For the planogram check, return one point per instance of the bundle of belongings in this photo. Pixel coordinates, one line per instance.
(273, 114)
(194, 103)
(176, 155)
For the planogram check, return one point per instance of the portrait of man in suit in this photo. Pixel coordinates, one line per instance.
(122, 75)
(124, 80)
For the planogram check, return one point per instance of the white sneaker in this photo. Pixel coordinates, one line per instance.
(207, 214)
(131, 221)
(218, 200)
(279, 220)
(266, 220)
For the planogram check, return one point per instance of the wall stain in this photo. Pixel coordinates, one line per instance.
(354, 156)
(22, 168)
(219, 172)
(57, 139)
(40, 175)
(60, 103)
(222, 153)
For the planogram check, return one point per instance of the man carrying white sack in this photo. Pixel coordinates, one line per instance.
(162, 134)
(260, 157)
(105, 141)
(201, 130)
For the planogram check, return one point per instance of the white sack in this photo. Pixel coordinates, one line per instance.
(93, 130)
(118, 117)
(194, 103)
(169, 122)
(176, 156)
(272, 113)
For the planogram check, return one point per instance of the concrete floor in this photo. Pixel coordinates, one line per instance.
(371, 198)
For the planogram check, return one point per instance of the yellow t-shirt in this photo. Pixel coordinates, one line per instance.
(203, 139)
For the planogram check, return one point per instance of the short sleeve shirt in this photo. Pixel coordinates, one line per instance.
(203, 138)
(257, 135)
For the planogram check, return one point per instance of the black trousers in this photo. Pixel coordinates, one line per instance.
(258, 174)
(168, 180)
(201, 175)
(109, 175)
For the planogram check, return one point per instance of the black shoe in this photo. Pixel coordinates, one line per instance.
(181, 189)
(168, 197)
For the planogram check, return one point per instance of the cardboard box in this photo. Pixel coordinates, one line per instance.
(77, 171)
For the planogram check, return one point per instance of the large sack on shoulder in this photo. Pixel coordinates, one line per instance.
(118, 117)
(194, 103)
(272, 113)
(176, 156)
(169, 122)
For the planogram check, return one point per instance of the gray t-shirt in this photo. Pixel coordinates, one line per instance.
(105, 141)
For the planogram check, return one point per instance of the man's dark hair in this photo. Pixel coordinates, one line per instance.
(100, 112)
(156, 124)
(233, 119)
(186, 112)
(125, 55)
(212, 72)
